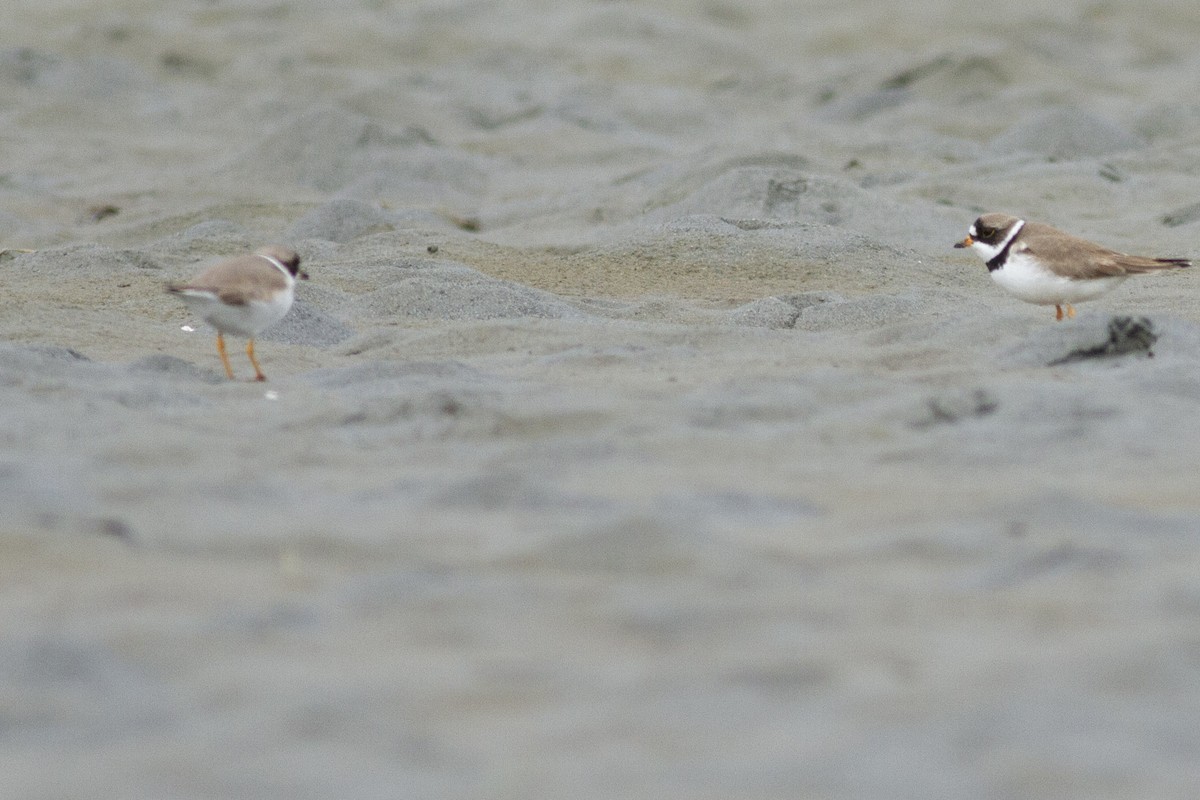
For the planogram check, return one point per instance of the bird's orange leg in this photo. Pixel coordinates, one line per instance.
(1070, 311)
(258, 373)
(1058, 312)
(224, 355)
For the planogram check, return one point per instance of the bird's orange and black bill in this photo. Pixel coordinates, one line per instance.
(967, 242)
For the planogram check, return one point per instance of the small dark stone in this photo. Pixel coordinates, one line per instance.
(906, 78)
(1181, 216)
(101, 212)
(465, 223)
(118, 529)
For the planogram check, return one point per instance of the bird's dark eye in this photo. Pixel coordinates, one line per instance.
(985, 231)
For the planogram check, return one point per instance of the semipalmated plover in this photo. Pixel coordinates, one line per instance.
(1042, 265)
(244, 296)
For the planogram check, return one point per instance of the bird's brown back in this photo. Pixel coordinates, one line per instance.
(1079, 258)
(239, 280)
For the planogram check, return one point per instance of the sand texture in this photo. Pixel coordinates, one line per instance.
(639, 433)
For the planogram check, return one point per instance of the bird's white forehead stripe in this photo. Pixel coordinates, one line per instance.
(971, 231)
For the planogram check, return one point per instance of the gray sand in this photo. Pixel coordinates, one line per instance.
(639, 434)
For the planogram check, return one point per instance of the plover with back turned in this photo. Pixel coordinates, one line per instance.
(244, 296)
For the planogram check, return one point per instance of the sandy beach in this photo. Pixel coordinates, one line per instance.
(639, 433)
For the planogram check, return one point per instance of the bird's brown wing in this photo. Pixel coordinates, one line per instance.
(1081, 259)
(233, 296)
(239, 280)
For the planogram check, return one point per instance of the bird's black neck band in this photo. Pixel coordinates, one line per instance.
(997, 261)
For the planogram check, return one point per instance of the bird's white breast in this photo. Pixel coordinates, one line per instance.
(1026, 278)
(248, 319)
